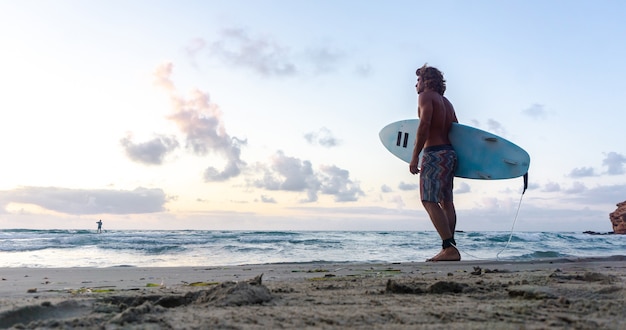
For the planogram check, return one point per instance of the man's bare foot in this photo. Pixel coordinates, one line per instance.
(447, 254)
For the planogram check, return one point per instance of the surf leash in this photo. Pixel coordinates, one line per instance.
(512, 225)
(516, 214)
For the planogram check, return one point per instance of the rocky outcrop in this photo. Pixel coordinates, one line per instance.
(618, 218)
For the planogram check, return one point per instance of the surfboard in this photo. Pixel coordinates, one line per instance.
(481, 155)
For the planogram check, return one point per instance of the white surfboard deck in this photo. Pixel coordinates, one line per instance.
(481, 155)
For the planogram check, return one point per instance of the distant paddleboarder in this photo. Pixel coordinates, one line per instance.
(99, 222)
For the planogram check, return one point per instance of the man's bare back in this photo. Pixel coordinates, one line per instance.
(441, 116)
(436, 115)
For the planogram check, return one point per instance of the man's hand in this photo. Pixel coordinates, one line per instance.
(413, 168)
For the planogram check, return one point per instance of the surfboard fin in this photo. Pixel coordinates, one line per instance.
(484, 175)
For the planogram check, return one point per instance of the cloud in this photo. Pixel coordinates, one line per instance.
(581, 172)
(286, 173)
(533, 218)
(495, 127)
(233, 165)
(491, 203)
(151, 152)
(200, 120)
(408, 186)
(533, 186)
(267, 199)
(462, 188)
(262, 55)
(324, 59)
(576, 188)
(552, 187)
(398, 201)
(363, 70)
(535, 111)
(194, 47)
(267, 57)
(83, 202)
(385, 189)
(323, 137)
(162, 76)
(336, 181)
(615, 163)
(579, 194)
(611, 195)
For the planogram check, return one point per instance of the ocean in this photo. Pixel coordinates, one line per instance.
(180, 248)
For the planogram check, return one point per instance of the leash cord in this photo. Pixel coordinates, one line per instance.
(510, 233)
(512, 226)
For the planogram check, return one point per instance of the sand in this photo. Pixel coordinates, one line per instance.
(585, 293)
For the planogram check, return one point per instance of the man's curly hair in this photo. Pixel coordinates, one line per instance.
(433, 78)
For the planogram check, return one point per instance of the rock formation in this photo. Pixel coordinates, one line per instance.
(618, 218)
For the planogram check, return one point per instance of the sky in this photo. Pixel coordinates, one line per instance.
(264, 115)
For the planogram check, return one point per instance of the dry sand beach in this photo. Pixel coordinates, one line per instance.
(564, 293)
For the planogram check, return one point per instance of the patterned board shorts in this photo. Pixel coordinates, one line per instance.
(437, 173)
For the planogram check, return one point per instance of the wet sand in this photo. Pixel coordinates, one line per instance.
(587, 293)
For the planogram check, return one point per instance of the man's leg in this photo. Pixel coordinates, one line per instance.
(443, 227)
(450, 212)
(436, 182)
(439, 219)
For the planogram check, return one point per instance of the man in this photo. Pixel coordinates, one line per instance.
(99, 222)
(436, 115)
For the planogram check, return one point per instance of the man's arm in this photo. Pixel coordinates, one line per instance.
(425, 113)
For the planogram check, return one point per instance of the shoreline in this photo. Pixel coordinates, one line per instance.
(152, 249)
(556, 293)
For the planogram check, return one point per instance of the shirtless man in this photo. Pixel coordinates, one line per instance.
(436, 115)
